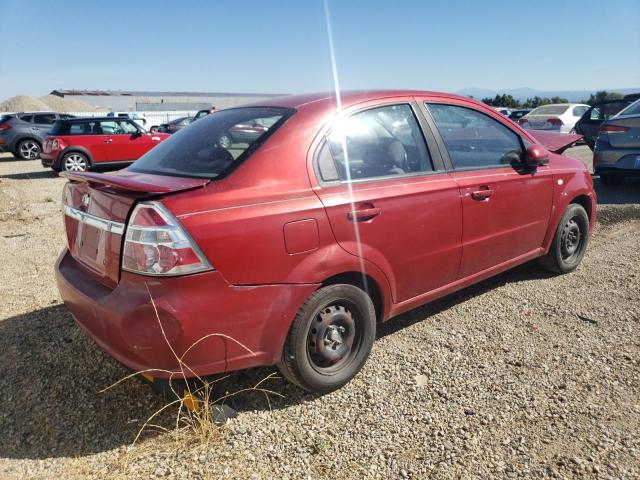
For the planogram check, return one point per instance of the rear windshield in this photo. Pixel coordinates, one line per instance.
(550, 110)
(214, 145)
(633, 109)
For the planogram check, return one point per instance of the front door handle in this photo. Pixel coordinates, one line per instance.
(108, 140)
(482, 194)
(364, 214)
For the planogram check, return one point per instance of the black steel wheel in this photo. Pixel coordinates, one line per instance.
(330, 338)
(570, 241)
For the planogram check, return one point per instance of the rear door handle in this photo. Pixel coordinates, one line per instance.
(108, 140)
(364, 214)
(481, 194)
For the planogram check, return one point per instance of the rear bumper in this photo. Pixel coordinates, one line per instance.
(123, 321)
(50, 160)
(616, 160)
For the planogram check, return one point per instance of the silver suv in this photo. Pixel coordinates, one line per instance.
(23, 133)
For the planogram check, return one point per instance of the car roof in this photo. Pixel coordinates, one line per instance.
(93, 119)
(348, 98)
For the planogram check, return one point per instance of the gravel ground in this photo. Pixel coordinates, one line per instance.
(522, 375)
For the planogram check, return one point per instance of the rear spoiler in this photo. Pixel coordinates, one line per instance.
(126, 181)
(555, 142)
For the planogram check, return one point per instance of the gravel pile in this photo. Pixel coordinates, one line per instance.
(524, 375)
(51, 103)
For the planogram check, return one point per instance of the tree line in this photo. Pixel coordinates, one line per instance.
(509, 102)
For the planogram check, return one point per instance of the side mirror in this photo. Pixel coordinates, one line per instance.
(138, 133)
(536, 156)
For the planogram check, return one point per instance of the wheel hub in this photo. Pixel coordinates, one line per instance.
(570, 240)
(331, 336)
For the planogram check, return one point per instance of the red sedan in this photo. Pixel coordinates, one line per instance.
(291, 248)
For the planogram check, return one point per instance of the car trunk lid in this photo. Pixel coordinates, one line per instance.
(555, 142)
(96, 207)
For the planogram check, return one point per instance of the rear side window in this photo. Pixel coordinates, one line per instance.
(26, 118)
(579, 111)
(44, 119)
(214, 145)
(380, 142)
(475, 140)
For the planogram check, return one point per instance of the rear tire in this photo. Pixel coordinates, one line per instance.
(569, 242)
(74, 162)
(611, 179)
(330, 339)
(153, 129)
(28, 149)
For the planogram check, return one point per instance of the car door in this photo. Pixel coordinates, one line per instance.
(388, 197)
(505, 207)
(124, 141)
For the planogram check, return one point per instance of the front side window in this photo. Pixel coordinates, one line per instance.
(594, 113)
(117, 127)
(380, 142)
(473, 139)
(214, 145)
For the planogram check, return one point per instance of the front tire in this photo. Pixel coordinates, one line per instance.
(28, 149)
(570, 241)
(74, 162)
(330, 339)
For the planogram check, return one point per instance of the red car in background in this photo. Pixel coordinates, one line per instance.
(291, 248)
(81, 144)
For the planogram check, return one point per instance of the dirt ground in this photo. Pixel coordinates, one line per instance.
(523, 375)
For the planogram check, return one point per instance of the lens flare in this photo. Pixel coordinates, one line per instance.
(342, 136)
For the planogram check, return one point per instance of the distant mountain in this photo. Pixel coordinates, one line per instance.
(523, 93)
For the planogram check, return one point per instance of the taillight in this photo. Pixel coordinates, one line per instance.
(612, 129)
(4, 127)
(555, 121)
(57, 144)
(523, 120)
(156, 244)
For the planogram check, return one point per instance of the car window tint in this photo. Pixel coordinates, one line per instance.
(115, 127)
(26, 118)
(44, 119)
(380, 142)
(579, 111)
(84, 128)
(550, 110)
(633, 109)
(215, 145)
(473, 139)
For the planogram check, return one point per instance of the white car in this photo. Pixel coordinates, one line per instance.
(139, 118)
(556, 117)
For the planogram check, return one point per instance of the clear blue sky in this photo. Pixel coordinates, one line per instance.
(282, 46)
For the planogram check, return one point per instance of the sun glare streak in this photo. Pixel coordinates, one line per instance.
(343, 141)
